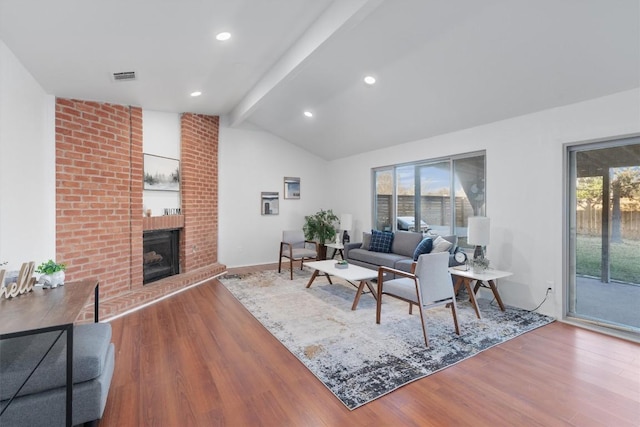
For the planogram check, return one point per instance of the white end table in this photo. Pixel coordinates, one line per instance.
(474, 281)
(337, 247)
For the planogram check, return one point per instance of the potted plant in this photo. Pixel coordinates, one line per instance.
(320, 227)
(52, 274)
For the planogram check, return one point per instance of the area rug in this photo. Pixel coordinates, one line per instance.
(355, 358)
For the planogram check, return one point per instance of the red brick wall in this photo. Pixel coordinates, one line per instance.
(199, 186)
(99, 187)
(136, 186)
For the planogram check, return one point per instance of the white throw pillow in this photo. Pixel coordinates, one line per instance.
(441, 245)
(366, 241)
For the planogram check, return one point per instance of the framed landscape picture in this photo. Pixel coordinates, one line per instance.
(291, 187)
(161, 173)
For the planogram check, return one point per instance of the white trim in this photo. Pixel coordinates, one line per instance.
(601, 328)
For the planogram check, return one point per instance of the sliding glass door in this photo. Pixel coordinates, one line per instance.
(603, 250)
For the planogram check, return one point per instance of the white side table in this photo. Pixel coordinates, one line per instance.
(474, 281)
(337, 247)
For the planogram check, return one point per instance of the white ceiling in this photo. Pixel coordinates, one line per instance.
(441, 65)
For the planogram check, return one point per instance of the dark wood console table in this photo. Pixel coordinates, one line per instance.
(45, 310)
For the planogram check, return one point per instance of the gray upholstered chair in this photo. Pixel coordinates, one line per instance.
(430, 286)
(296, 248)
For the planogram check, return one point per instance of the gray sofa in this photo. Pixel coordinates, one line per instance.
(41, 402)
(401, 256)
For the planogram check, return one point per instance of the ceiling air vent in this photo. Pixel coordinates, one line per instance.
(124, 76)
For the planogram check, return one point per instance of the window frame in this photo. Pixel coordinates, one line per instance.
(453, 227)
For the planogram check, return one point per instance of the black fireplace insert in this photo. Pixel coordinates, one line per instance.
(161, 254)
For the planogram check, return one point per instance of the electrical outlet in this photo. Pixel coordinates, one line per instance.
(550, 286)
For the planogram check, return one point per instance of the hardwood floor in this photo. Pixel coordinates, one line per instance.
(200, 359)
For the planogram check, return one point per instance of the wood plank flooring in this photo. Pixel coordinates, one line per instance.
(200, 359)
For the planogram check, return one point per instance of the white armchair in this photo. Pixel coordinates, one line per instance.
(429, 286)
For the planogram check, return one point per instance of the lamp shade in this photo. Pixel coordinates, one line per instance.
(478, 231)
(346, 221)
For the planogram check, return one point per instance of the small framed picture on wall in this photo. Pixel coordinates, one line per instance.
(291, 187)
(270, 202)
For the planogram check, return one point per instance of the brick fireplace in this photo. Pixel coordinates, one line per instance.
(99, 192)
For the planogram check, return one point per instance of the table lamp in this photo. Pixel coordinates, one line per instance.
(346, 221)
(478, 234)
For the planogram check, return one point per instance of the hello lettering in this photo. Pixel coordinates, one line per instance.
(23, 284)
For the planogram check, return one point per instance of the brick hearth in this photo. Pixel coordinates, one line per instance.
(147, 294)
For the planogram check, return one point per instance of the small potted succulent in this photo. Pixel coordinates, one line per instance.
(52, 274)
(342, 264)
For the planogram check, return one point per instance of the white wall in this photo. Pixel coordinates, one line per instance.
(524, 185)
(524, 181)
(250, 162)
(160, 137)
(27, 166)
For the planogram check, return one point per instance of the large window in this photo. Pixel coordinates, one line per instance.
(432, 196)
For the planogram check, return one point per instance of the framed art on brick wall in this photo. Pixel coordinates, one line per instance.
(161, 173)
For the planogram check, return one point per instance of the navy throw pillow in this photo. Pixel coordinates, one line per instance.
(381, 241)
(424, 247)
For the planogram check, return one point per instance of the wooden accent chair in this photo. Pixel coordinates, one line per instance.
(430, 286)
(296, 248)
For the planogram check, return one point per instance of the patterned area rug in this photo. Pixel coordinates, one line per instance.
(354, 357)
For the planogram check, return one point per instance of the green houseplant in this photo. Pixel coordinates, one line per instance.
(52, 274)
(320, 227)
(50, 267)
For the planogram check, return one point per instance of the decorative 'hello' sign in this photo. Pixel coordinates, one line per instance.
(23, 284)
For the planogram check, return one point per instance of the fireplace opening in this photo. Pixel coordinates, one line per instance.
(160, 256)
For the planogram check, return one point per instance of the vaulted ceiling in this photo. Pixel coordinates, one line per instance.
(439, 65)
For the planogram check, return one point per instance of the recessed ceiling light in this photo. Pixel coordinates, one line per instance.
(196, 93)
(308, 114)
(369, 80)
(223, 36)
